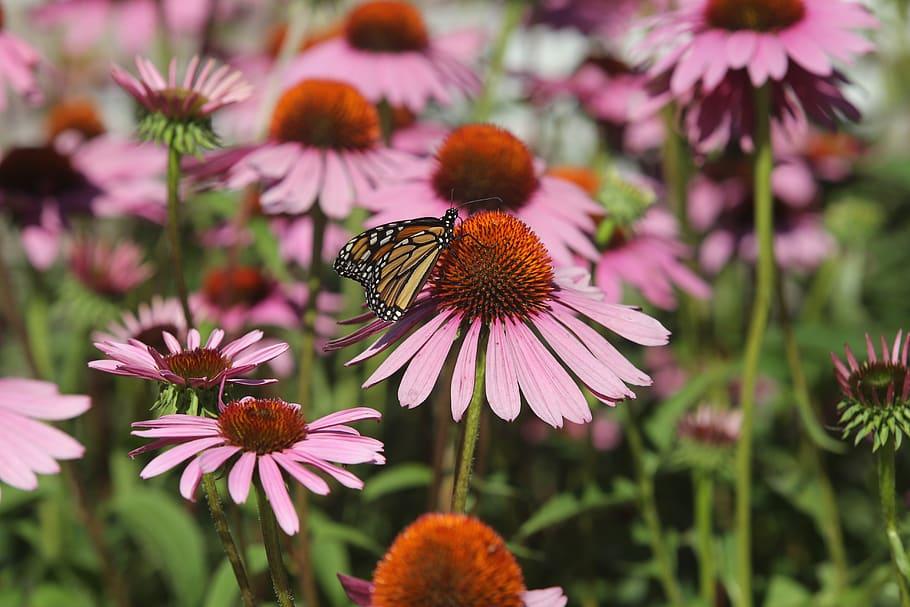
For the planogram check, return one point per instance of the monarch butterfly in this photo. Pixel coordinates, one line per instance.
(393, 261)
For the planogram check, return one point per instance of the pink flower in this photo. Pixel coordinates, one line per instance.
(108, 269)
(271, 439)
(196, 366)
(471, 566)
(197, 96)
(147, 325)
(720, 205)
(387, 52)
(324, 145)
(235, 297)
(607, 18)
(716, 52)
(19, 63)
(295, 239)
(710, 425)
(483, 167)
(494, 289)
(603, 433)
(27, 446)
(134, 23)
(883, 380)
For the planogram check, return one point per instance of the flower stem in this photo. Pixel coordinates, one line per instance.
(512, 17)
(704, 510)
(886, 487)
(14, 318)
(648, 507)
(227, 540)
(471, 431)
(676, 172)
(764, 223)
(173, 229)
(273, 549)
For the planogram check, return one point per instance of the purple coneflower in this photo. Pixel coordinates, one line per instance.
(28, 446)
(387, 52)
(271, 438)
(483, 167)
(108, 269)
(494, 291)
(147, 325)
(448, 559)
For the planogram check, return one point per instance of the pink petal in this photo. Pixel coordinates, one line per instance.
(175, 456)
(277, 492)
(464, 375)
(406, 350)
(241, 477)
(423, 370)
(501, 376)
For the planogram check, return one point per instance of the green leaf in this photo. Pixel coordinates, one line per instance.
(557, 509)
(332, 559)
(50, 595)
(324, 529)
(784, 592)
(169, 538)
(397, 478)
(223, 590)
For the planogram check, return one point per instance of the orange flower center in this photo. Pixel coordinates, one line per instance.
(481, 161)
(583, 177)
(78, 115)
(240, 285)
(828, 145)
(326, 114)
(759, 15)
(201, 363)
(389, 26)
(38, 172)
(495, 268)
(448, 560)
(262, 425)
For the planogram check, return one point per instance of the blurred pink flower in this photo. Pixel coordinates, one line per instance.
(711, 425)
(883, 380)
(496, 279)
(413, 135)
(295, 239)
(604, 433)
(147, 325)
(606, 18)
(241, 296)
(714, 53)
(108, 269)
(387, 53)
(196, 366)
(484, 167)
(324, 145)
(720, 205)
(471, 565)
(27, 446)
(272, 439)
(19, 63)
(134, 23)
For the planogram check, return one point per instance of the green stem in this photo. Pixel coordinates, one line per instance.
(829, 513)
(173, 230)
(764, 224)
(886, 487)
(484, 104)
(227, 540)
(648, 506)
(676, 172)
(273, 549)
(704, 511)
(471, 431)
(11, 310)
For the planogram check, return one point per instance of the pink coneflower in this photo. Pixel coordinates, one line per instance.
(239, 296)
(272, 439)
(133, 23)
(603, 433)
(196, 366)
(717, 51)
(720, 205)
(27, 446)
(496, 286)
(607, 89)
(448, 559)
(413, 135)
(295, 239)
(108, 269)
(19, 64)
(324, 145)
(147, 325)
(711, 426)
(387, 52)
(484, 167)
(646, 255)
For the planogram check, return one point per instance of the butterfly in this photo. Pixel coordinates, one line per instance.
(393, 261)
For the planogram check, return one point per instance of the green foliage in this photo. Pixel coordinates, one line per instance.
(189, 137)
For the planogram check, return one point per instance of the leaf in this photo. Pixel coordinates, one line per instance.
(395, 479)
(223, 590)
(52, 595)
(784, 592)
(565, 506)
(332, 558)
(324, 528)
(169, 537)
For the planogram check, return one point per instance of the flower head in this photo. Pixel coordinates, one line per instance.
(707, 437)
(28, 446)
(876, 392)
(448, 559)
(75, 115)
(324, 145)
(495, 290)
(178, 113)
(387, 52)
(265, 439)
(108, 269)
(148, 324)
(483, 167)
(718, 51)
